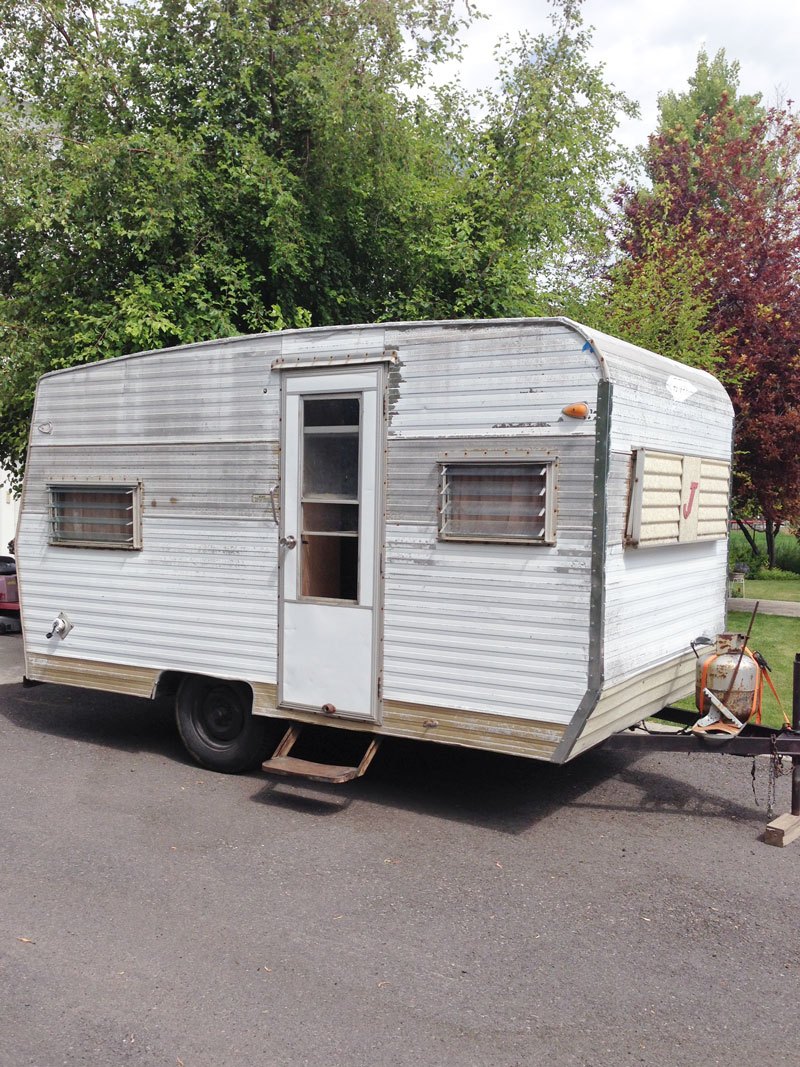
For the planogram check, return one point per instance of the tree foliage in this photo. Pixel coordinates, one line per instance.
(721, 215)
(184, 169)
(713, 86)
(538, 169)
(660, 296)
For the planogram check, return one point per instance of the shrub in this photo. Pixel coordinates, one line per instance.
(787, 554)
(741, 554)
(776, 574)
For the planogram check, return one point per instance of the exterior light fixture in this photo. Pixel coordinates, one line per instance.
(577, 411)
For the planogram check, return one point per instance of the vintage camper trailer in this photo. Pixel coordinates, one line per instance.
(498, 534)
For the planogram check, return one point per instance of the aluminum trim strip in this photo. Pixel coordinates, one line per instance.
(602, 458)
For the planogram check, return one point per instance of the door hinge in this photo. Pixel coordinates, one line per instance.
(380, 687)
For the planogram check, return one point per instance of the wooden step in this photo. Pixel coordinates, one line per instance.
(282, 763)
(304, 768)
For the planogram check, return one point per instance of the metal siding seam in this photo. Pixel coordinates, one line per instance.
(306, 362)
(594, 687)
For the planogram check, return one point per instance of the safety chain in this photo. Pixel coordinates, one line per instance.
(776, 770)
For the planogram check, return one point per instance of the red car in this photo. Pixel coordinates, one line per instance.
(9, 597)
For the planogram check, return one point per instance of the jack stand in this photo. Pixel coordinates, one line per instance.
(786, 828)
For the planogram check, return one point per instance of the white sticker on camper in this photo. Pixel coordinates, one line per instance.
(679, 389)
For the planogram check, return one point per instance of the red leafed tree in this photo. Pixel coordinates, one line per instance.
(731, 187)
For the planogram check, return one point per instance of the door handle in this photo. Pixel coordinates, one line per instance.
(288, 541)
(272, 493)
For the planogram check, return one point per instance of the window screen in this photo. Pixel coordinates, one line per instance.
(95, 516)
(497, 502)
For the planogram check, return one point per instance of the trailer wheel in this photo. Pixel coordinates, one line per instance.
(217, 725)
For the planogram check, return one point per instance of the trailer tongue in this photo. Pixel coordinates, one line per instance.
(752, 740)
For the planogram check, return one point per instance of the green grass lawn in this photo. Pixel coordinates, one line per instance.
(779, 589)
(777, 639)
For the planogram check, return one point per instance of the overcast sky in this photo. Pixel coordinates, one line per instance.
(651, 46)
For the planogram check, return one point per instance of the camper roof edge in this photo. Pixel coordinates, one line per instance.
(600, 344)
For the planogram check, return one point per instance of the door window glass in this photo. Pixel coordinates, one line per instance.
(329, 498)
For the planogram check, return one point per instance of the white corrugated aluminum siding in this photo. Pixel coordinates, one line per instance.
(498, 628)
(486, 628)
(198, 428)
(658, 598)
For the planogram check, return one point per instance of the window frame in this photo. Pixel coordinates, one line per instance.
(550, 465)
(135, 491)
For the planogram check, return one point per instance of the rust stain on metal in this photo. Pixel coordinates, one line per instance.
(471, 729)
(519, 425)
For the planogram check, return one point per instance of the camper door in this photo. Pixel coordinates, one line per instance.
(331, 538)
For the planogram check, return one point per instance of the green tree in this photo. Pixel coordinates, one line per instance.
(713, 86)
(661, 297)
(176, 170)
(723, 200)
(659, 292)
(547, 159)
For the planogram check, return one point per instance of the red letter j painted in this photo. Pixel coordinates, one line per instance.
(687, 508)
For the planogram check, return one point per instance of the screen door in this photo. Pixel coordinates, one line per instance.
(330, 541)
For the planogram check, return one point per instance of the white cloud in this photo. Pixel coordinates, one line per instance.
(651, 47)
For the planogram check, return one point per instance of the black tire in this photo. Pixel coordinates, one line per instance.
(217, 726)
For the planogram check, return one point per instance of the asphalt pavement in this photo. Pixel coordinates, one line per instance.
(451, 907)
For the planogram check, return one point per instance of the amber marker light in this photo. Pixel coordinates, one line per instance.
(576, 411)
